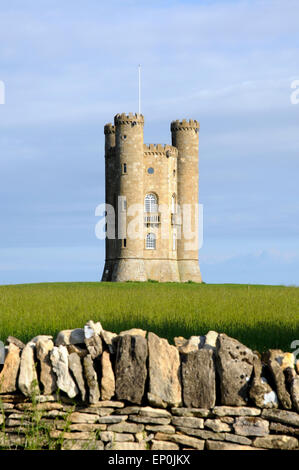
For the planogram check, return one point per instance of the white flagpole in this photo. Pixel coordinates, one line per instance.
(139, 89)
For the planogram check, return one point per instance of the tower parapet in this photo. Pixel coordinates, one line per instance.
(160, 149)
(184, 125)
(133, 119)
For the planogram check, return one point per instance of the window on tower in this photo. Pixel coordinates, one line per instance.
(151, 203)
(150, 243)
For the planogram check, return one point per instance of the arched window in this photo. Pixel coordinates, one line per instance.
(150, 203)
(173, 204)
(150, 241)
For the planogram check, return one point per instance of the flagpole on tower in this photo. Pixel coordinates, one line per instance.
(139, 89)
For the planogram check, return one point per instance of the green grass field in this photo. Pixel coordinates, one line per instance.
(261, 317)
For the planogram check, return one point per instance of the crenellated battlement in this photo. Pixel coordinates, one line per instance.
(161, 149)
(184, 125)
(109, 128)
(130, 118)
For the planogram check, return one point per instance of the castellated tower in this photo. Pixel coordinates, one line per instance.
(148, 187)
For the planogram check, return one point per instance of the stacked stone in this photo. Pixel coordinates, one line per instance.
(136, 391)
(115, 425)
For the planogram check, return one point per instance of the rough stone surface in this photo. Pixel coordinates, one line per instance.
(130, 368)
(149, 420)
(79, 417)
(108, 337)
(108, 436)
(235, 411)
(201, 433)
(234, 365)
(280, 428)
(66, 337)
(108, 379)
(164, 370)
(282, 416)
(196, 412)
(260, 392)
(187, 422)
(154, 412)
(156, 401)
(80, 444)
(218, 445)
(28, 381)
(76, 368)
(274, 359)
(112, 419)
(74, 348)
(91, 379)
(9, 373)
(126, 446)
(211, 340)
(60, 364)
(166, 429)
(93, 339)
(293, 384)
(133, 332)
(238, 439)
(181, 439)
(126, 427)
(164, 445)
(276, 442)
(251, 426)
(47, 376)
(189, 345)
(15, 341)
(198, 379)
(216, 425)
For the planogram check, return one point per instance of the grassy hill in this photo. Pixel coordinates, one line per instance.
(261, 317)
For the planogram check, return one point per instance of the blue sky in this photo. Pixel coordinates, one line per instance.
(70, 66)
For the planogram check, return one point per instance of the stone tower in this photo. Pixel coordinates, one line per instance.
(153, 192)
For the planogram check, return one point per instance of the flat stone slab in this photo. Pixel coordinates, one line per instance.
(235, 411)
(218, 445)
(149, 420)
(164, 445)
(126, 427)
(198, 378)
(235, 365)
(282, 416)
(164, 370)
(251, 426)
(131, 368)
(188, 422)
(216, 425)
(196, 412)
(181, 439)
(276, 442)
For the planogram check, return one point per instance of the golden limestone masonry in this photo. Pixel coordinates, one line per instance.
(153, 192)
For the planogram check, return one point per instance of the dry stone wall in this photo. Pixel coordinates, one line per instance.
(95, 389)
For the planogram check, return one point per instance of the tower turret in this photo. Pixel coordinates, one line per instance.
(185, 137)
(129, 191)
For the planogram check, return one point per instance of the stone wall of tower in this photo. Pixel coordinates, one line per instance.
(185, 137)
(129, 186)
(110, 189)
(161, 263)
